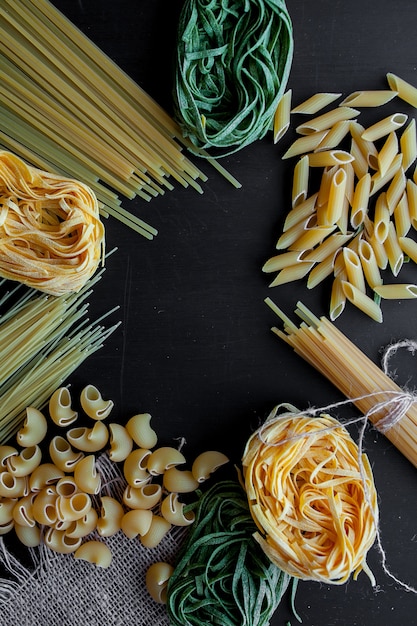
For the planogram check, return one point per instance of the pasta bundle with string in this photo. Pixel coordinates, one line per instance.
(51, 235)
(312, 496)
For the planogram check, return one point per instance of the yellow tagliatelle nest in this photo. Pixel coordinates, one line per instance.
(312, 498)
(51, 235)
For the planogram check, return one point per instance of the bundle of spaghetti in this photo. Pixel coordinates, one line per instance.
(220, 575)
(319, 342)
(43, 340)
(67, 103)
(312, 496)
(232, 66)
(51, 235)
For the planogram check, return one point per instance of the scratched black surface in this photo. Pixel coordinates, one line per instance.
(195, 348)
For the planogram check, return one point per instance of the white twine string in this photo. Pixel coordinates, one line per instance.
(396, 406)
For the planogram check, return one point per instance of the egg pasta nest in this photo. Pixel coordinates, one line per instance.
(312, 496)
(51, 235)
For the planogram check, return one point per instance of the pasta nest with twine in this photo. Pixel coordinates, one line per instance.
(51, 235)
(312, 496)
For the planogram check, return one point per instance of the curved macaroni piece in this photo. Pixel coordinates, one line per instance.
(163, 458)
(173, 511)
(45, 474)
(34, 428)
(73, 508)
(157, 577)
(12, 486)
(139, 428)
(179, 481)
(6, 452)
(83, 526)
(206, 463)
(144, 497)
(30, 536)
(59, 541)
(44, 507)
(66, 487)
(121, 443)
(60, 408)
(136, 522)
(26, 462)
(94, 405)
(89, 439)
(6, 510)
(135, 467)
(62, 455)
(96, 552)
(110, 519)
(158, 529)
(86, 476)
(23, 511)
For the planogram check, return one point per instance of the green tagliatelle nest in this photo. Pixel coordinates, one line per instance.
(233, 63)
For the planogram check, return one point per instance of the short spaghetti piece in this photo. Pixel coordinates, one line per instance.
(51, 235)
(312, 496)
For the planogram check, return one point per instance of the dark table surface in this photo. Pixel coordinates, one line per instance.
(195, 348)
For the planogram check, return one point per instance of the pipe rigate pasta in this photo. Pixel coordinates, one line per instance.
(59, 541)
(94, 405)
(163, 458)
(144, 497)
(96, 552)
(110, 518)
(62, 454)
(12, 486)
(84, 526)
(44, 507)
(5, 452)
(89, 439)
(139, 428)
(86, 476)
(136, 522)
(135, 467)
(6, 510)
(60, 407)
(73, 508)
(45, 474)
(23, 511)
(181, 481)
(34, 428)
(30, 536)
(206, 463)
(157, 577)
(66, 486)
(121, 443)
(26, 462)
(173, 511)
(158, 529)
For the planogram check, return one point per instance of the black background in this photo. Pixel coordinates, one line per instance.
(195, 348)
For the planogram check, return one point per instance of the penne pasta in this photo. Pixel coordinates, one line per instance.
(401, 215)
(378, 181)
(282, 116)
(394, 252)
(408, 145)
(293, 233)
(396, 189)
(369, 264)
(321, 271)
(396, 291)
(360, 162)
(327, 120)
(324, 189)
(381, 218)
(334, 136)
(362, 301)
(384, 127)
(366, 147)
(315, 103)
(360, 201)
(353, 268)
(279, 261)
(328, 247)
(337, 191)
(304, 144)
(387, 153)
(379, 251)
(300, 181)
(369, 98)
(409, 247)
(411, 191)
(291, 273)
(311, 237)
(404, 90)
(327, 158)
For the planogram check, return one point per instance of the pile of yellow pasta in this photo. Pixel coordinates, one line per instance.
(51, 235)
(358, 219)
(312, 498)
(56, 495)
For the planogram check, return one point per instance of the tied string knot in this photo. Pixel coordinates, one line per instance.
(396, 407)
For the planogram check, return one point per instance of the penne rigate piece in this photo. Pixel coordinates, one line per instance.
(379, 251)
(337, 298)
(136, 522)
(84, 526)
(394, 252)
(311, 237)
(12, 486)
(179, 481)
(396, 291)
(337, 192)
(279, 261)
(26, 462)
(293, 233)
(121, 443)
(62, 454)
(408, 145)
(135, 467)
(206, 463)
(411, 191)
(143, 497)
(402, 216)
(384, 127)
(360, 201)
(315, 103)
(381, 218)
(29, 536)
(23, 510)
(44, 507)
(96, 552)
(282, 116)
(353, 268)
(58, 541)
(89, 439)
(360, 163)
(350, 180)
(362, 301)
(326, 120)
(409, 247)
(404, 90)
(367, 148)
(44, 475)
(325, 182)
(328, 247)
(158, 529)
(291, 273)
(305, 144)
(321, 271)
(328, 158)
(378, 181)
(34, 428)
(300, 181)
(86, 476)
(6, 451)
(94, 405)
(334, 136)
(369, 98)
(396, 189)
(140, 430)
(163, 458)
(73, 508)
(156, 580)
(301, 212)
(369, 264)
(387, 153)
(173, 511)
(60, 408)
(110, 519)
